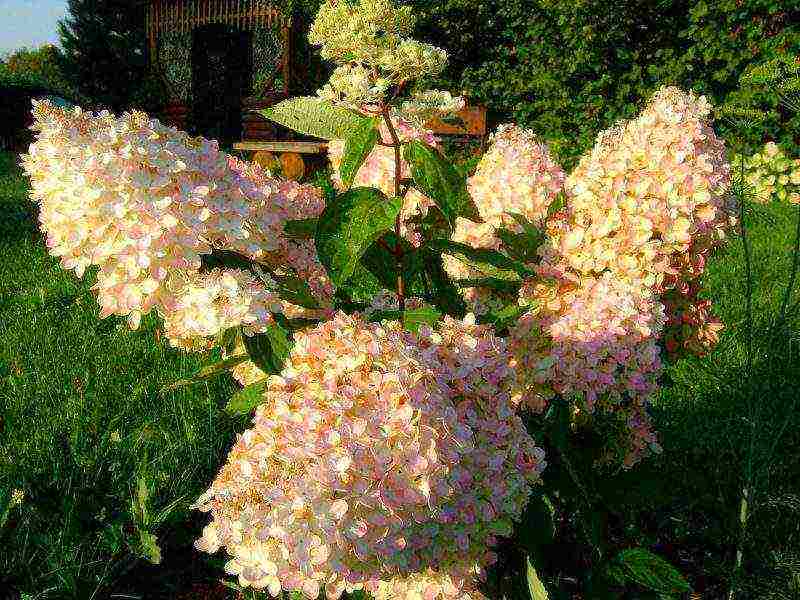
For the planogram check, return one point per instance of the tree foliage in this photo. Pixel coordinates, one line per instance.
(104, 50)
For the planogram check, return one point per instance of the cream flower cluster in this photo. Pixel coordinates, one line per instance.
(651, 189)
(771, 174)
(215, 301)
(378, 171)
(369, 41)
(380, 460)
(143, 202)
(516, 175)
(623, 260)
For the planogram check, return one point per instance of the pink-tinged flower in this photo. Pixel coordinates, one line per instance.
(623, 261)
(380, 460)
(516, 176)
(144, 202)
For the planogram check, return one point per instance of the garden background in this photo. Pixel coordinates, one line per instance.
(109, 464)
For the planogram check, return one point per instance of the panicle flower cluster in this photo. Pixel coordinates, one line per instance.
(516, 175)
(623, 261)
(770, 174)
(143, 202)
(594, 342)
(651, 189)
(369, 41)
(378, 171)
(381, 460)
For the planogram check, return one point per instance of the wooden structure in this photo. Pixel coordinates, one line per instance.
(472, 126)
(222, 59)
(219, 60)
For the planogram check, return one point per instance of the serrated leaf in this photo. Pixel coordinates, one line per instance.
(440, 181)
(312, 116)
(349, 226)
(535, 586)
(380, 260)
(207, 372)
(245, 400)
(356, 149)
(651, 571)
(536, 528)
(295, 290)
(490, 262)
(443, 293)
(268, 350)
(300, 229)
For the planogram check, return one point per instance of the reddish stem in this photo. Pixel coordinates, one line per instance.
(398, 249)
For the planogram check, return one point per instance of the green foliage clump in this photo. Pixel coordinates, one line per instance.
(104, 50)
(569, 69)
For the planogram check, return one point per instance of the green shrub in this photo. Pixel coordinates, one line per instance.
(569, 68)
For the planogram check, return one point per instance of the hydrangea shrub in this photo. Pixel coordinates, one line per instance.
(399, 337)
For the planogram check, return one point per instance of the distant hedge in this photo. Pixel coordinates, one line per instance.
(568, 68)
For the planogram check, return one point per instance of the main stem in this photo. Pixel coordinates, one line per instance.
(398, 175)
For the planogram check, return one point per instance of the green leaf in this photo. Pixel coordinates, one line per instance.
(490, 262)
(295, 290)
(415, 317)
(312, 116)
(412, 318)
(268, 350)
(537, 526)
(439, 180)
(349, 226)
(356, 149)
(207, 372)
(504, 317)
(523, 245)
(228, 339)
(557, 420)
(301, 229)
(149, 548)
(503, 286)
(245, 400)
(380, 260)
(556, 205)
(443, 294)
(650, 571)
(224, 259)
(535, 586)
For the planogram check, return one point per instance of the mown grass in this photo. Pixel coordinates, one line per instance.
(88, 437)
(84, 427)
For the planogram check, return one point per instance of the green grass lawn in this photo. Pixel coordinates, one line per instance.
(106, 461)
(85, 432)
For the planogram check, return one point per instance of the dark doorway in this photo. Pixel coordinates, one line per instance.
(221, 76)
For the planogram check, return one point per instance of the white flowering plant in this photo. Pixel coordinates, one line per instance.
(409, 337)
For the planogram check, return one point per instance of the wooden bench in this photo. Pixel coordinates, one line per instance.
(287, 154)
